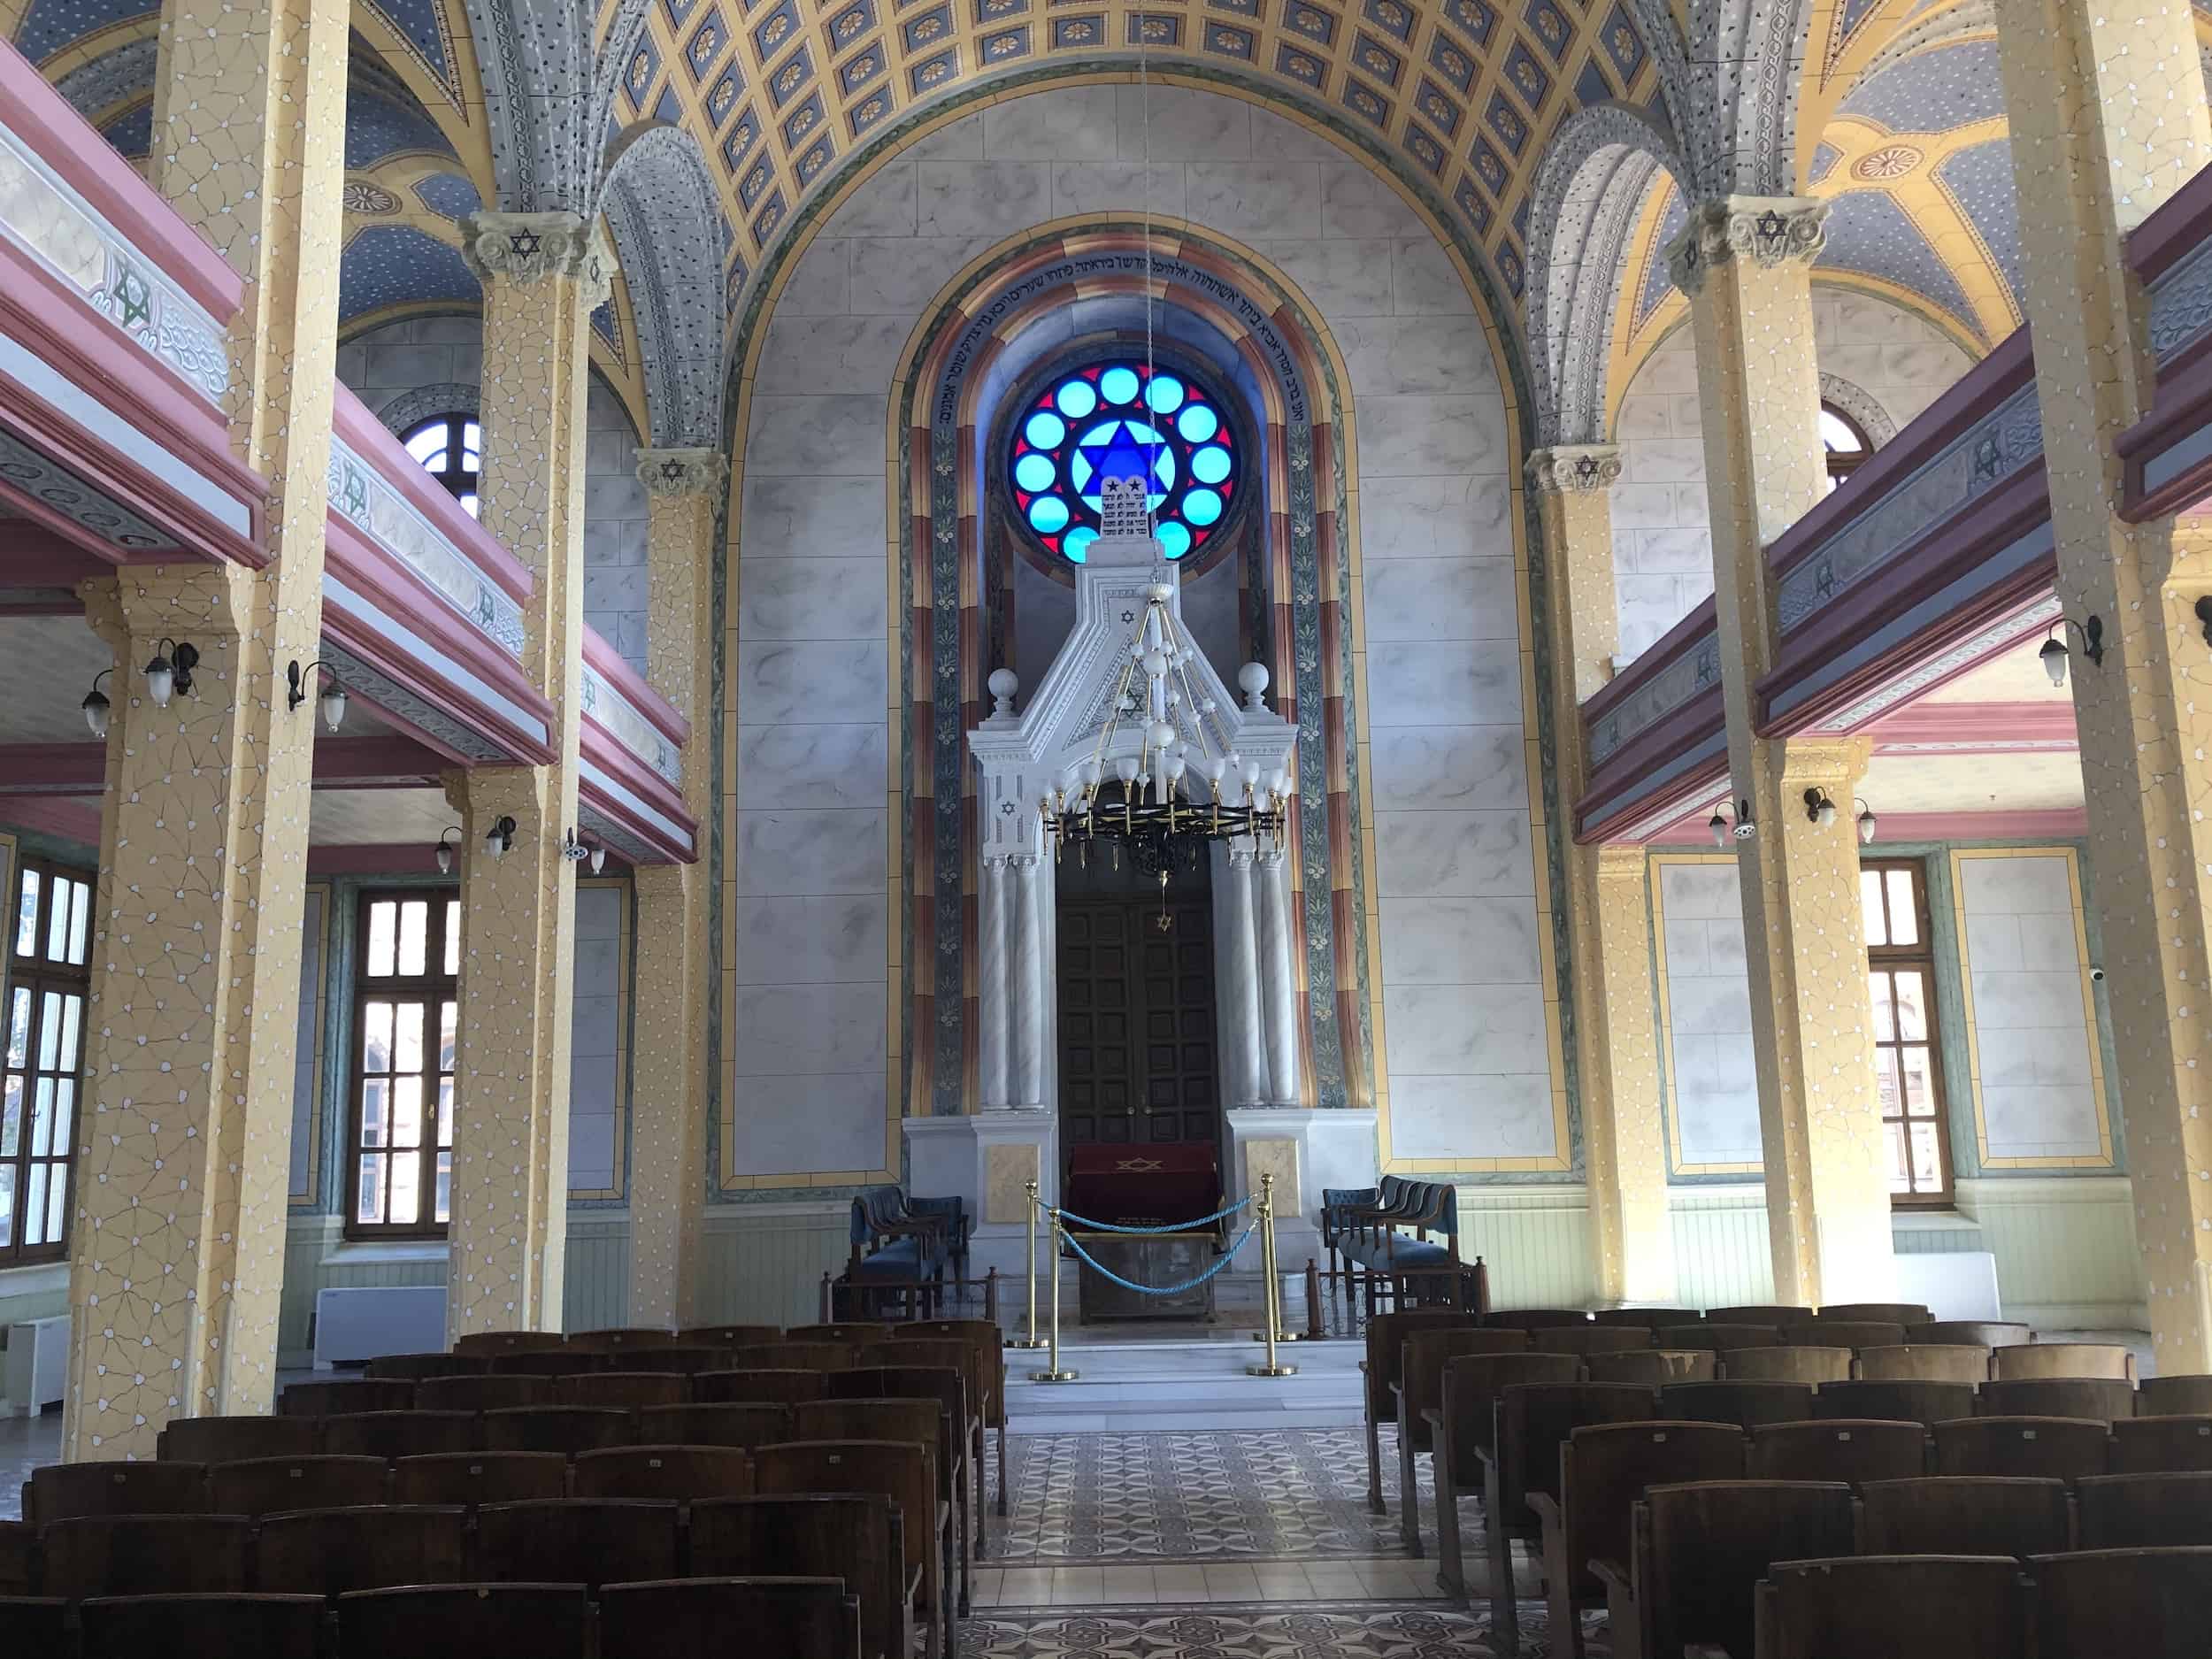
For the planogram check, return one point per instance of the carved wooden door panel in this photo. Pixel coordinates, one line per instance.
(1137, 1049)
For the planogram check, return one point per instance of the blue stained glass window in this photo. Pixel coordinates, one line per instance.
(1056, 445)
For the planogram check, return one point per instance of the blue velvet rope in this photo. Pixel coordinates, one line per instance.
(1166, 1290)
(1177, 1226)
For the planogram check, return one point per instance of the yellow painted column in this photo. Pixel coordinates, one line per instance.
(668, 1085)
(1616, 1046)
(2109, 120)
(177, 1229)
(1746, 263)
(542, 274)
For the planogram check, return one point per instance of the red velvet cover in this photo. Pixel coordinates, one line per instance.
(1143, 1186)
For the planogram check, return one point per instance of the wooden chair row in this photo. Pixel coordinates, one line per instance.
(689, 1618)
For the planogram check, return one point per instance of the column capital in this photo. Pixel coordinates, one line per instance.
(1767, 230)
(683, 471)
(526, 248)
(1570, 468)
(1834, 764)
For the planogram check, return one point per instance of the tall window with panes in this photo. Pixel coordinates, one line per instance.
(1907, 1070)
(406, 1006)
(50, 983)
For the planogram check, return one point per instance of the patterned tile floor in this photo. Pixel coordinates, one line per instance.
(1315, 1631)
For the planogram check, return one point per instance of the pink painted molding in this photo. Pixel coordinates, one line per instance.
(1675, 641)
(1996, 725)
(53, 768)
(2050, 824)
(2177, 224)
(71, 817)
(373, 441)
(607, 663)
(66, 142)
(607, 752)
(2180, 409)
(341, 763)
(384, 859)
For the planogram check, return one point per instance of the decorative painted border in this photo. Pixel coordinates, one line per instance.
(626, 937)
(1676, 1165)
(1681, 669)
(2105, 1160)
(365, 497)
(628, 725)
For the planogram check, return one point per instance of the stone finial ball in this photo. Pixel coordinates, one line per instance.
(1252, 679)
(1003, 682)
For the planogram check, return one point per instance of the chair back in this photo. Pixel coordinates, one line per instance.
(1719, 1336)
(2141, 1511)
(674, 1473)
(1421, 1369)
(1604, 1469)
(1534, 1420)
(2061, 1449)
(1844, 1333)
(1473, 1384)
(202, 1627)
(416, 1367)
(1530, 1318)
(1652, 1366)
(792, 1357)
(624, 1390)
(1974, 1332)
(1386, 1334)
(696, 1619)
(2105, 1398)
(328, 1552)
(1746, 1404)
(689, 1360)
(390, 1434)
(17, 1539)
(1767, 1313)
(144, 1555)
(2174, 1396)
(1797, 1364)
(481, 1394)
(720, 1423)
(729, 1335)
(577, 1540)
(1925, 1361)
(1650, 1318)
(856, 1535)
(1852, 1450)
(1900, 1606)
(549, 1362)
(472, 1479)
(61, 1492)
(756, 1386)
(332, 1399)
(467, 1621)
(923, 1423)
(1895, 1401)
(1906, 1313)
(487, 1343)
(1590, 1339)
(1701, 1549)
(2146, 1603)
(843, 1331)
(897, 1470)
(979, 1374)
(2143, 1445)
(620, 1340)
(264, 1486)
(2062, 1359)
(565, 1429)
(227, 1440)
(988, 1341)
(1963, 1515)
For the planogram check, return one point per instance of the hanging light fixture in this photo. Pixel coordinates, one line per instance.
(1717, 826)
(1866, 821)
(2054, 654)
(95, 705)
(169, 671)
(500, 839)
(445, 850)
(332, 701)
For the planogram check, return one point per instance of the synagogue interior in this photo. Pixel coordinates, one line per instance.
(1171, 829)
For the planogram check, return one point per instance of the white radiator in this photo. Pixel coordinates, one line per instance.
(37, 1372)
(364, 1322)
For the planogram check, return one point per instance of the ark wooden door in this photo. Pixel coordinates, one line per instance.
(1138, 1064)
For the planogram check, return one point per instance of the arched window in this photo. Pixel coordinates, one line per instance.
(1844, 442)
(1068, 422)
(450, 449)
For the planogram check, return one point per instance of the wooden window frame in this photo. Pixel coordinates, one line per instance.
(1842, 463)
(429, 988)
(41, 976)
(1918, 957)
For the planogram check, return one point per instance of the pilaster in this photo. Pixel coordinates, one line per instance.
(2108, 120)
(1746, 261)
(177, 1234)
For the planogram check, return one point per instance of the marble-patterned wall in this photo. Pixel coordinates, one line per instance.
(1705, 992)
(598, 1065)
(1470, 1078)
(1662, 544)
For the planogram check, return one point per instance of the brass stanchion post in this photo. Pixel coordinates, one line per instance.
(1029, 1337)
(1055, 1374)
(1267, 1260)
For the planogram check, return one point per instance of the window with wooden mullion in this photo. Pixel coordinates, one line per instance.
(49, 984)
(1907, 1070)
(406, 1010)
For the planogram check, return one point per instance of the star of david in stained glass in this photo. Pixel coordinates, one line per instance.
(1116, 418)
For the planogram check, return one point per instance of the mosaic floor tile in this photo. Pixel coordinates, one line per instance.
(1364, 1630)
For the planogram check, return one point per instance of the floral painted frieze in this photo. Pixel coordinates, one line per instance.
(366, 499)
(1694, 669)
(627, 722)
(2181, 302)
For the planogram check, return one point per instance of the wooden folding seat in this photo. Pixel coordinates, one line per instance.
(329, 1399)
(1963, 1515)
(143, 1555)
(328, 1552)
(2062, 1359)
(1603, 1470)
(486, 1343)
(675, 1472)
(756, 1386)
(686, 1361)
(1775, 1314)
(2062, 1448)
(724, 1423)
(1904, 1313)
(903, 1472)
(949, 1387)
(18, 1539)
(467, 1621)
(2105, 1398)
(481, 1394)
(36, 1624)
(416, 1367)
(549, 1362)
(2144, 1603)
(1974, 1332)
(1895, 1401)
(479, 1477)
(615, 1342)
(577, 1540)
(917, 1422)
(1900, 1607)
(1746, 1404)
(1590, 1339)
(1717, 1337)
(1794, 1364)
(1650, 1318)
(1420, 1389)
(1532, 1318)
(2141, 1511)
(567, 1429)
(57, 1492)
(729, 1335)
(1923, 1362)
(624, 1390)
(228, 1440)
(975, 1349)
(2174, 1396)
(1652, 1366)
(1848, 1449)
(855, 1330)
(858, 1536)
(1387, 1337)
(262, 1485)
(389, 1434)
(1462, 1429)
(696, 1619)
(1533, 1422)
(2142, 1445)
(202, 1627)
(1846, 1333)
(795, 1357)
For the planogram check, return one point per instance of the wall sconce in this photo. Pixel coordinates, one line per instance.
(95, 705)
(2204, 616)
(2054, 654)
(1741, 830)
(445, 850)
(573, 849)
(1719, 825)
(332, 701)
(1819, 808)
(170, 670)
(1866, 821)
(500, 839)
